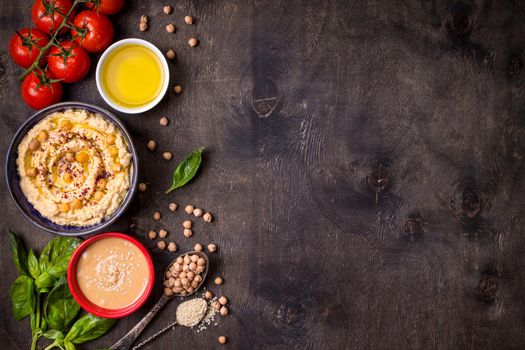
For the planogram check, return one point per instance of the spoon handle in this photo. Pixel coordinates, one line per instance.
(154, 336)
(126, 341)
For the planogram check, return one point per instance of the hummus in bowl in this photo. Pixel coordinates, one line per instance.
(74, 167)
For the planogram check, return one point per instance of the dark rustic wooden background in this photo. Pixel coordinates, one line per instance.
(364, 162)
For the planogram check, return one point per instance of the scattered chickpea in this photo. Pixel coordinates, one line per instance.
(216, 305)
(208, 295)
(172, 247)
(197, 247)
(161, 245)
(163, 233)
(177, 89)
(142, 187)
(189, 209)
(222, 339)
(143, 25)
(31, 172)
(113, 151)
(152, 145)
(188, 232)
(64, 207)
(70, 157)
(218, 281)
(207, 217)
(167, 9)
(110, 139)
(173, 206)
(223, 300)
(77, 204)
(42, 136)
(156, 215)
(223, 311)
(170, 28)
(65, 124)
(98, 195)
(212, 248)
(197, 212)
(152, 234)
(187, 224)
(167, 155)
(193, 42)
(34, 145)
(164, 121)
(188, 20)
(170, 54)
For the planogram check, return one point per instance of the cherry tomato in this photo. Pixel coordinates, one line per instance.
(25, 45)
(108, 7)
(68, 62)
(94, 31)
(47, 14)
(40, 89)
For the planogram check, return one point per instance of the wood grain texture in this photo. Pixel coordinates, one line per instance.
(298, 105)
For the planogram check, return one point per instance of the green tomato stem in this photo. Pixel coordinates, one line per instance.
(51, 42)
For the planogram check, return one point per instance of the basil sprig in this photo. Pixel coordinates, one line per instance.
(41, 292)
(186, 170)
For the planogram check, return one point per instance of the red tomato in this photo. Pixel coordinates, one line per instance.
(94, 31)
(46, 14)
(40, 90)
(70, 62)
(108, 7)
(25, 45)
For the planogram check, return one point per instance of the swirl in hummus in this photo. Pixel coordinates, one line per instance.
(74, 167)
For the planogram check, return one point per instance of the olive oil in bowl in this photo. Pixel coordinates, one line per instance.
(132, 76)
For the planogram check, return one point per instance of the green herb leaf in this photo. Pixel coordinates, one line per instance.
(69, 345)
(186, 170)
(18, 253)
(89, 327)
(53, 334)
(56, 255)
(32, 264)
(60, 308)
(23, 299)
(44, 282)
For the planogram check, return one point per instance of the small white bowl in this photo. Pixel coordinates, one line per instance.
(165, 68)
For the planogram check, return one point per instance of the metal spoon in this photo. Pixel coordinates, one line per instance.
(126, 341)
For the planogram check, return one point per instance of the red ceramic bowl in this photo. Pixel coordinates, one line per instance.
(88, 305)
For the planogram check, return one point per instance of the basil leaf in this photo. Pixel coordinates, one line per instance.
(44, 282)
(60, 308)
(186, 170)
(69, 345)
(18, 253)
(53, 334)
(89, 327)
(32, 264)
(23, 299)
(56, 255)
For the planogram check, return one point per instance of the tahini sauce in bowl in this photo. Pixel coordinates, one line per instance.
(112, 273)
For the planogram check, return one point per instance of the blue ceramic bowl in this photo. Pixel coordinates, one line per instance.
(13, 178)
